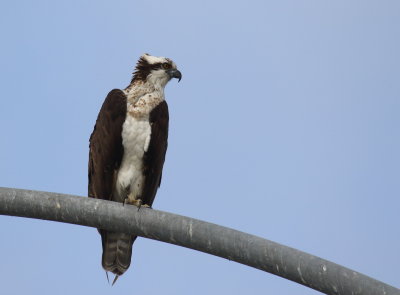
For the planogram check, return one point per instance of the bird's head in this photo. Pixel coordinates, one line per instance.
(155, 70)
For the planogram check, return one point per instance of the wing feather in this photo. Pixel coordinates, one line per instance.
(105, 146)
(155, 155)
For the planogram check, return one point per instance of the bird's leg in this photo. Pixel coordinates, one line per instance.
(107, 277)
(133, 200)
(127, 195)
(139, 203)
(128, 199)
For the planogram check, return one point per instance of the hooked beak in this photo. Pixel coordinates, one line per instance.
(175, 74)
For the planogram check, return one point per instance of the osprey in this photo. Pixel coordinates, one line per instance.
(127, 149)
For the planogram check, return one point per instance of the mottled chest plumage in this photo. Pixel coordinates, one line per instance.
(136, 137)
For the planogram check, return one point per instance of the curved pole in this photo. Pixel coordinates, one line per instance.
(283, 261)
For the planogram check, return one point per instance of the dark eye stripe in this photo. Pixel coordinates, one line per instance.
(143, 68)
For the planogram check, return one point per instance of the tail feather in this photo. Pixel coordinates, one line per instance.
(117, 251)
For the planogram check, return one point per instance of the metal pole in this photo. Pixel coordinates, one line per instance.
(283, 261)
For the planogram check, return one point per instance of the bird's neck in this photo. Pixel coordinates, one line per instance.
(148, 86)
(138, 89)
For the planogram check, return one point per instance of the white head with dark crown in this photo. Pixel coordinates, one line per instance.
(156, 71)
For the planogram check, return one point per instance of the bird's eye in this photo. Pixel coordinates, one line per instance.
(166, 66)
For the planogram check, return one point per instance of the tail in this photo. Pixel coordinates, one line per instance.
(117, 251)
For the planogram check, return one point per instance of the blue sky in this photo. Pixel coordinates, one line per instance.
(285, 125)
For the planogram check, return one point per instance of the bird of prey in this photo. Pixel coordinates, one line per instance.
(127, 149)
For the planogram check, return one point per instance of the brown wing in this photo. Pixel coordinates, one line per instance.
(105, 145)
(154, 158)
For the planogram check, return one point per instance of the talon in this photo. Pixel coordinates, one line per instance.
(139, 204)
(136, 202)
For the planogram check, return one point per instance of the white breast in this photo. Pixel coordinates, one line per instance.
(136, 135)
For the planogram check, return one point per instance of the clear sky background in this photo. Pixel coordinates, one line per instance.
(285, 125)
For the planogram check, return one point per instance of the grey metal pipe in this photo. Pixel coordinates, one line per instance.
(286, 262)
